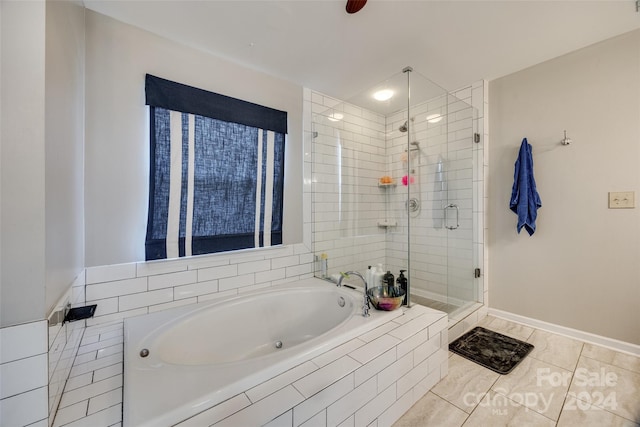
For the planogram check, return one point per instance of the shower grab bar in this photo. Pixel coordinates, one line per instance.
(452, 206)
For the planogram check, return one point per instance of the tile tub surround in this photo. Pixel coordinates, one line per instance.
(373, 378)
(125, 290)
(23, 375)
(559, 384)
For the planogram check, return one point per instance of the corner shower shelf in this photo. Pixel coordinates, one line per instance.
(390, 184)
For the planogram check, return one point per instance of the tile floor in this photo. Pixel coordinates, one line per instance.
(563, 382)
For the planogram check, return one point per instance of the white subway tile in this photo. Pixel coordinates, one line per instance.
(105, 306)
(23, 375)
(411, 313)
(172, 279)
(108, 417)
(323, 377)
(117, 288)
(265, 410)
(285, 261)
(110, 273)
(85, 357)
(218, 412)
(255, 266)
(145, 299)
(378, 332)
(298, 270)
(22, 341)
(388, 376)
(426, 349)
(349, 422)
(276, 383)
(95, 365)
(395, 411)
(101, 329)
(438, 327)
(104, 401)
(321, 400)
(236, 282)
(172, 304)
(25, 408)
(414, 326)
(412, 342)
(202, 262)
(91, 390)
(70, 413)
(107, 372)
(78, 381)
(318, 420)
(108, 351)
(337, 352)
(284, 420)
(195, 289)
(150, 268)
(351, 402)
(413, 377)
(375, 366)
(374, 349)
(98, 345)
(375, 407)
(270, 275)
(206, 274)
(424, 385)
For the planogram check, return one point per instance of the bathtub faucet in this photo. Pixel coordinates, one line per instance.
(365, 305)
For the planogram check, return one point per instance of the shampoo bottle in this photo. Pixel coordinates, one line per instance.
(402, 284)
(388, 280)
(378, 275)
(368, 276)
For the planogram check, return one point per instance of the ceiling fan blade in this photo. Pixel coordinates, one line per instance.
(354, 6)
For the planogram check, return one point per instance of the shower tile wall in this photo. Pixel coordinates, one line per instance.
(345, 226)
(349, 157)
(442, 260)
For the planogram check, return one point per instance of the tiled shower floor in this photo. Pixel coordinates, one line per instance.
(436, 305)
(563, 382)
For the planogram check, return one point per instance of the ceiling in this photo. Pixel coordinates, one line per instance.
(318, 45)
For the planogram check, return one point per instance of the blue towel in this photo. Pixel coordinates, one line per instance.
(525, 200)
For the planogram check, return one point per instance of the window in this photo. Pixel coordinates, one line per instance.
(217, 172)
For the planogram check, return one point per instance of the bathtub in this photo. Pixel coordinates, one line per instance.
(203, 354)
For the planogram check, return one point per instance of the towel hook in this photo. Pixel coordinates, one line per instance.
(565, 140)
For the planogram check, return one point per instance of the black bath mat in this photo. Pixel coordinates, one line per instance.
(492, 350)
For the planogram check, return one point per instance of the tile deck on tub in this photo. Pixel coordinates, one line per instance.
(93, 394)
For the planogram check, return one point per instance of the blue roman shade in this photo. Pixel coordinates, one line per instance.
(217, 172)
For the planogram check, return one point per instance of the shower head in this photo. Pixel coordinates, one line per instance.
(404, 127)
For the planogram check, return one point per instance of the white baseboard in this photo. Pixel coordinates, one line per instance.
(613, 344)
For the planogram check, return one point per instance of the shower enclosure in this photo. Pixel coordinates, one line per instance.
(392, 184)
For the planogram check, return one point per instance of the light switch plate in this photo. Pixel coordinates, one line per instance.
(622, 200)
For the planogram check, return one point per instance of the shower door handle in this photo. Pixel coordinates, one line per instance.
(447, 208)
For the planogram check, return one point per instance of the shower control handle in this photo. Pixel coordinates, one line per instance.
(448, 207)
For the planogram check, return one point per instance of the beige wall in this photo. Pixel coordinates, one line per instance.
(64, 147)
(22, 291)
(42, 240)
(117, 148)
(581, 269)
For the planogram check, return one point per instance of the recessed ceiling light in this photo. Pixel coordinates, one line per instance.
(383, 95)
(335, 117)
(434, 118)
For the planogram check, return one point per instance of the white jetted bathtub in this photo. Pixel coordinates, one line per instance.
(183, 361)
